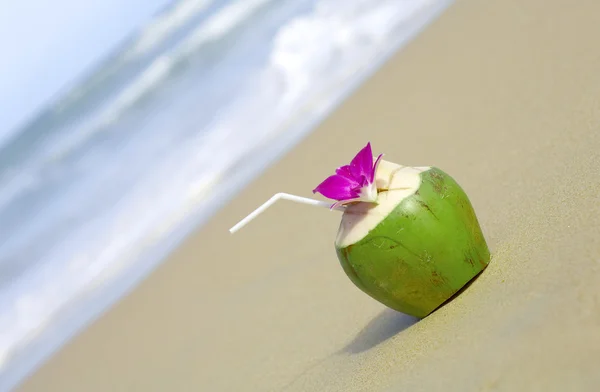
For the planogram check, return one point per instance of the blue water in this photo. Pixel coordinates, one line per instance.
(99, 187)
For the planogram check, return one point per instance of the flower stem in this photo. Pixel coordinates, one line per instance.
(272, 200)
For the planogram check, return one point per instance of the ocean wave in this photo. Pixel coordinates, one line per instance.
(156, 72)
(338, 38)
(166, 24)
(214, 28)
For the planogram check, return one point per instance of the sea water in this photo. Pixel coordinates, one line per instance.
(98, 188)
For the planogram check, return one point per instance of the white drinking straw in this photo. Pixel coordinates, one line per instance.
(278, 196)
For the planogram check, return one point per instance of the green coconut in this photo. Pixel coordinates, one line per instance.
(418, 246)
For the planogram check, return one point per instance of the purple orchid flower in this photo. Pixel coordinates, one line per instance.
(354, 182)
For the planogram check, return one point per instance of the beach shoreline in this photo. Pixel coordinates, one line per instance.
(501, 95)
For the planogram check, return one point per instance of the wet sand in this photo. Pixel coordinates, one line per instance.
(504, 95)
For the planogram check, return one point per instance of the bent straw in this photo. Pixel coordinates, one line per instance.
(272, 200)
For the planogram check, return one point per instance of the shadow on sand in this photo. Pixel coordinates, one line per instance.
(389, 323)
(385, 325)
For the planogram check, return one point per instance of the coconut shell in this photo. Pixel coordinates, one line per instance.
(416, 249)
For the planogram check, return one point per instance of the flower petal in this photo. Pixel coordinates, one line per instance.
(338, 188)
(362, 163)
(346, 171)
(371, 177)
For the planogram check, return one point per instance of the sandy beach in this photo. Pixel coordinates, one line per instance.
(504, 95)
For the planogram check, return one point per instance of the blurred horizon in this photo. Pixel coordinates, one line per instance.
(30, 56)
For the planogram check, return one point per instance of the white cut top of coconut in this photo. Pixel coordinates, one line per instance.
(359, 219)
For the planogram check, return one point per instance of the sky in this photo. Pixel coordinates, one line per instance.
(46, 45)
